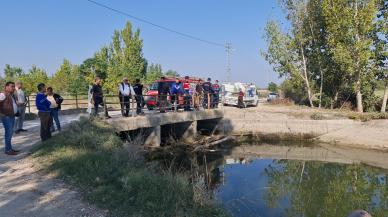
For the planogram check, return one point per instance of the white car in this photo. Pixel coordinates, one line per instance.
(230, 93)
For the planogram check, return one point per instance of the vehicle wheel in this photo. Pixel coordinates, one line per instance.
(150, 108)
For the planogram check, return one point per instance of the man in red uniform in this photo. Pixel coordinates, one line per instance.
(241, 99)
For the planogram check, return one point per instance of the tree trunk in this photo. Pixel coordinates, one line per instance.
(305, 77)
(359, 97)
(358, 70)
(383, 106)
(321, 88)
(334, 100)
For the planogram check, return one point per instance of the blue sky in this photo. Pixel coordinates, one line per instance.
(44, 32)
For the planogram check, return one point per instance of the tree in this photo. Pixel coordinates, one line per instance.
(286, 54)
(31, 79)
(349, 25)
(380, 37)
(272, 87)
(61, 79)
(11, 73)
(171, 73)
(154, 72)
(124, 57)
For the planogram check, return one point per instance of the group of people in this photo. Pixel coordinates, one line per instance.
(205, 94)
(126, 92)
(13, 104)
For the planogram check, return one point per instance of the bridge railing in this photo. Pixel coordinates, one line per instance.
(112, 102)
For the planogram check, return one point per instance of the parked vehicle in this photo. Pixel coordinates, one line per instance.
(272, 96)
(230, 92)
(152, 93)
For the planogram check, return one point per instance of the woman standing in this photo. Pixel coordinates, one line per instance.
(56, 101)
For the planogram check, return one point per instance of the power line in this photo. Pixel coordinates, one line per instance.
(156, 25)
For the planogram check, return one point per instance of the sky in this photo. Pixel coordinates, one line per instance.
(44, 32)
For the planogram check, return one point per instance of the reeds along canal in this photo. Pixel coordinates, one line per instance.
(276, 180)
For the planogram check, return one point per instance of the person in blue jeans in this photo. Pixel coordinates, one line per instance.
(55, 106)
(8, 111)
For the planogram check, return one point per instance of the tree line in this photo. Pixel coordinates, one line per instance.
(123, 57)
(332, 53)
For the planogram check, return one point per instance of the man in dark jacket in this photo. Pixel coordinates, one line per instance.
(43, 107)
(138, 89)
(8, 110)
(216, 94)
(163, 91)
(207, 91)
(98, 96)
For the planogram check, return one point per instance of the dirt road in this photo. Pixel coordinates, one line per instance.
(25, 192)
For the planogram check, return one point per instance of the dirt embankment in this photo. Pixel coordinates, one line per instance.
(292, 122)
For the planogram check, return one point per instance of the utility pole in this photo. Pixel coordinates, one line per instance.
(228, 48)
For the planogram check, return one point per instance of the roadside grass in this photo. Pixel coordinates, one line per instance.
(108, 173)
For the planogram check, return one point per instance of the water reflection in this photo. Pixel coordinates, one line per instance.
(251, 181)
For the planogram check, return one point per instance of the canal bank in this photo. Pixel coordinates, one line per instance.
(279, 123)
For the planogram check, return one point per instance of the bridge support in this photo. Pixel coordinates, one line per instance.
(152, 137)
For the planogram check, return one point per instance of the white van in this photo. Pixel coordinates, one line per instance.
(230, 93)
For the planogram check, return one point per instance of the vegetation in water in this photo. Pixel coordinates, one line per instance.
(326, 189)
(113, 176)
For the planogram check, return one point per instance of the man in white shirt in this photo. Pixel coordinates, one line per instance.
(125, 93)
(21, 102)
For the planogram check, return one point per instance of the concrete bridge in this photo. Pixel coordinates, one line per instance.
(157, 128)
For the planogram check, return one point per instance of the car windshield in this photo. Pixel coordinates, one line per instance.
(154, 86)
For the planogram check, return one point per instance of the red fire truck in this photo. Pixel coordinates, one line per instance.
(152, 93)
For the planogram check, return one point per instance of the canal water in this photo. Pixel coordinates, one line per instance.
(296, 180)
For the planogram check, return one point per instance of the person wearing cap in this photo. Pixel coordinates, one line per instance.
(125, 93)
(207, 92)
(216, 94)
(163, 91)
(138, 89)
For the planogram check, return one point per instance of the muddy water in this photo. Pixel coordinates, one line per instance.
(288, 180)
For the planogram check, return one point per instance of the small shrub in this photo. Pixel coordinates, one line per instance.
(317, 116)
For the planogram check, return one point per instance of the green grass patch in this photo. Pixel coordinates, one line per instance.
(91, 157)
(368, 116)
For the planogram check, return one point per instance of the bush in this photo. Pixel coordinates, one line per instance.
(112, 176)
(317, 116)
(367, 116)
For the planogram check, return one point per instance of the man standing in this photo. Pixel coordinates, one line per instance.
(125, 92)
(97, 94)
(216, 94)
(198, 94)
(56, 101)
(187, 97)
(138, 89)
(163, 91)
(207, 91)
(8, 110)
(176, 93)
(21, 102)
(43, 106)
